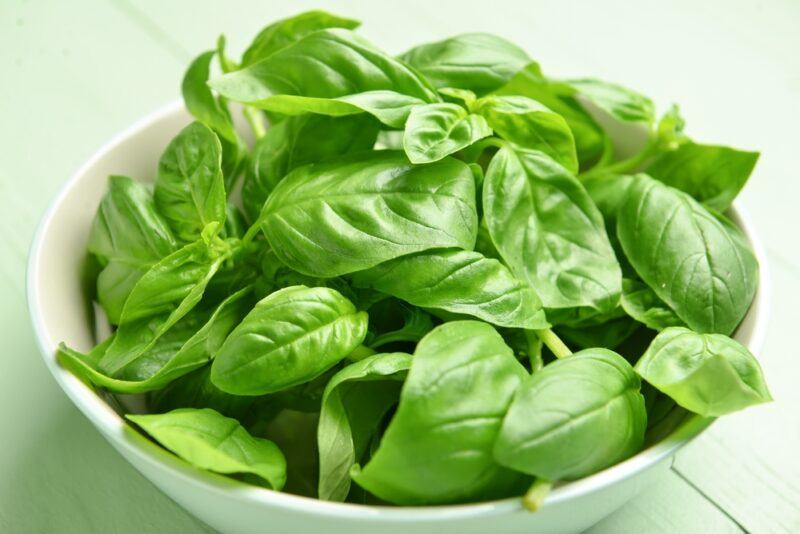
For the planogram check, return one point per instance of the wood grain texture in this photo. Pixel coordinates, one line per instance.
(75, 73)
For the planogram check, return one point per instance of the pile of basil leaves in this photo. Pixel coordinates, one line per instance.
(390, 312)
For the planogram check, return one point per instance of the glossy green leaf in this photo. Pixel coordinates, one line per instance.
(458, 281)
(355, 401)
(709, 374)
(200, 101)
(128, 236)
(290, 337)
(550, 234)
(296, 141)
(331, 72)
(528, 123)
(479, 62)
(578, 415)
(591, 143)
(434, 131)
(190, 188)
(284, 32)
(335, 218)
(620, 102)
(701, 268)
(188, 345)
(165, 294)
(642, 303)
(438, 447)
(209, 440)
(713, 175)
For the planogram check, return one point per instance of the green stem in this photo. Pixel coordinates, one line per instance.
(536, 495)
(625, 165)
(554, 343)
(360, 352)
(256, 121)
(534, 343)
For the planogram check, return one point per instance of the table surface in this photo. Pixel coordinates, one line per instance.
(74, 73)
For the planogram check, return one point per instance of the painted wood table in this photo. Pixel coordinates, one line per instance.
(74, 73)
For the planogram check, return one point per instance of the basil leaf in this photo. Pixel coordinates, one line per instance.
(209, 440)
(609, 334)
(331, 72)
(578, 415)
(128, 236)
(714, 175)
(296, 141)
(458, 281)
(591, 143)
(528, 123)
(282, 33)
(355, 401)
(620, 102)
(438, 447)
(709, 374)
(190, 189)
(290, 337)
(335, 218)
(642, 303)
(416, 323)
(701, 268)
(434, 131)
(200, 101)
(550, 234)
(478, 62)
(165, 294)
(188, 345)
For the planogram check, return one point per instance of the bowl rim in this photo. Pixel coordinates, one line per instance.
(122, 436)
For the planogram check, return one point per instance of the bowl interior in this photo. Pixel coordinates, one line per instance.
(56, 298)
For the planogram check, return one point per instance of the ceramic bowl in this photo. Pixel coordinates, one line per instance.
(58, 313)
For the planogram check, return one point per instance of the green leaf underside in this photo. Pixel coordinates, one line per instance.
(331, 219)
(467, 373)
(576, 416)
(208, 440)
(355, 401)
(549, 233)
(434, 131)
(290, 337)
(701, 268)
(709, 374)
(642, 303)
(458, 281)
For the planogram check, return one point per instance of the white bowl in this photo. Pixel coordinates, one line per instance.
(55, 300)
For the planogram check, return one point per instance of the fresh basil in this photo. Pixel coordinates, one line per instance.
(434, 131)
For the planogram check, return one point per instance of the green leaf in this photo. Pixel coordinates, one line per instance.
(438, 447)
(355, 401)
(331, 72)
(713, 175)
(434, 131)
(458, 281)
(701, 268)
(190, 189)
(296, 141)
(335, 218)
(591, 143)
(200, 101)
(578, 415)
(642, 303)
(188, 345)
(211, 441)
(165, 294)
(709, 374)
(416, 324)
(128, 236)
(282, 33)
(290, 337)
(550, 234)
(478, 62)
(528, 123)
(608, 335)
(620, 102)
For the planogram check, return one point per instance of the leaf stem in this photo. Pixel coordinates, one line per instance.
(554, 343)
(625, 165)
(536, 495)
(256, 121)
(360, 352)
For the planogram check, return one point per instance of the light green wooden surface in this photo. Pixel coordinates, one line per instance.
(75, 73)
